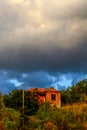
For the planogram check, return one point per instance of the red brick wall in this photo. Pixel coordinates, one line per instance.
(56, 102)
(41, 99)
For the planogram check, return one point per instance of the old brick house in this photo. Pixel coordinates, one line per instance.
(50, 95)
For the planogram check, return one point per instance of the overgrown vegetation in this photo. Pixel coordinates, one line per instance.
(75, 94)
(14, 100)
(71, 116)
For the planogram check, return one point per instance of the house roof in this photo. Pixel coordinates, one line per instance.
(43, 90)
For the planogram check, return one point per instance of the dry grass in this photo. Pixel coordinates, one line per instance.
(76, 106)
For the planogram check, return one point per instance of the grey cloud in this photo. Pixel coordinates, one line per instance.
(65, 9)
(30, 41)
(55, 59)
(42, 39)
(13, 17)
(10, 80)
(5, 85)
(38, 79)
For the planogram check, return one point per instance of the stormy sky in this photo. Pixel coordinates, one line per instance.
(42, 43)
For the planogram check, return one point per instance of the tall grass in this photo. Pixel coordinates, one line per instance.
(72, 117)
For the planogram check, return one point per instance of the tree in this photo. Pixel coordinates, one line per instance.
(74, 94)
(14, 100)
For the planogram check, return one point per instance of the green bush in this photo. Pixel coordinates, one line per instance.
(11, 119)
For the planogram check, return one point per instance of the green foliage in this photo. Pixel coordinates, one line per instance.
(35, 123)
(1, 101)
(42, 119)
(45, 112)
(1, 117)
(75, 94)
(48, 118)
(14, 100)
(10, 118)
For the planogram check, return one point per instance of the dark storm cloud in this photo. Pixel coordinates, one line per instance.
(40, 36)
(55, 59)
(42, 43)
(32, 39)
(38, 79)
(10, 80)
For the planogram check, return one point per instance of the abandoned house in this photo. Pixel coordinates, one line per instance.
(50, 95)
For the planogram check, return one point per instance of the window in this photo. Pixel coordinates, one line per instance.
(53, 97)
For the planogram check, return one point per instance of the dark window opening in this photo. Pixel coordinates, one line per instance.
(53, 97)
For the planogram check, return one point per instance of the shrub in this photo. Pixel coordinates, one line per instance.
(11, 119)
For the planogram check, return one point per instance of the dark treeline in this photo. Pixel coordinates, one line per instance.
(14, 100)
